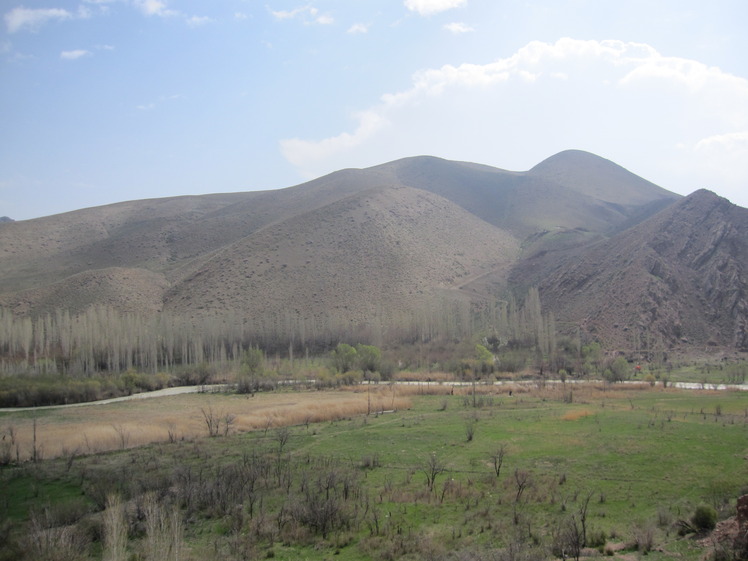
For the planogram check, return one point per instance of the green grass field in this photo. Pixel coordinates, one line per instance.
(631, 461)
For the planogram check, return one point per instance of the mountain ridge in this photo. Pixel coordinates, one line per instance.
(404, 238)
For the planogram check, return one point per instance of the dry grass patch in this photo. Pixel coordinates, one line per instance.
(98, 428)
(576, 415)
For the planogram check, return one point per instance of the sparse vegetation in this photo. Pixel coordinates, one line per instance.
(359, 485)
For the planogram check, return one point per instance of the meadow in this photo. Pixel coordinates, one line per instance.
(532, 471)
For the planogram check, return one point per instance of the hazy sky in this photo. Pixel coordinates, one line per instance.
(110, 100)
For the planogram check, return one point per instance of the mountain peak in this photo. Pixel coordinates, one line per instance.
(597, 177)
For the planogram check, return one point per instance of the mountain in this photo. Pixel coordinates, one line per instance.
(404, 241)
(680, 277)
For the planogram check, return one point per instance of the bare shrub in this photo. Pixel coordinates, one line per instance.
(163, 530)
(432, 469)
(217, 423)
(643, 536)
(497, 458)
(47, 542)
(470, 429)
(123, 436)
(115, 530)
(281, 436)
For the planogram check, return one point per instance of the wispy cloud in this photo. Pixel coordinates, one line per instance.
(74, 55)
(430, 7)
(458, 28)
(197, 21)
(358, 28)
(155, 8)
(32, 19)
(150, 106)
(309, 14)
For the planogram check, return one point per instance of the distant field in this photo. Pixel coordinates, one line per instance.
(99, 428)
(635, 459)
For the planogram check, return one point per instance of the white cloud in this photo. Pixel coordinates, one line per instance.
(197, 21)
(240, 16)
(74, 55)
(303, 153)
(358, 28)
(671, 120)
(308, 14)
(458, 27)
(288, 14)
(429, 7)
(731, 142)
(33, 19)
(155, 8)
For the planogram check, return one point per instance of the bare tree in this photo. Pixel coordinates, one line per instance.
(522, 478)
(212, 421)
(228, 422)
(433, 468)
(282, 435)
(583, 507)
(123, 436)
(498, 458)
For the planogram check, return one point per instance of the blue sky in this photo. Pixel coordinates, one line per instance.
(109, 100)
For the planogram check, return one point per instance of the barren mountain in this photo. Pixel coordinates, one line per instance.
(608, 250)
(388, 247)
(679, 278)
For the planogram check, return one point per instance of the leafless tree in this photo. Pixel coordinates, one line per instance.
(123, 435)
(281, 436)
(433, 468)
(498, 458)
(212, 421)
(228, 422)
(522, 478)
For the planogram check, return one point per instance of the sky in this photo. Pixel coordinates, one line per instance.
(104, 101)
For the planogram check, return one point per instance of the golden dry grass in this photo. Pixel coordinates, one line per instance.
(576, 415)
(96, 428)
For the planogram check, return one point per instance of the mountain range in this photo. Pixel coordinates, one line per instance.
(613, 255)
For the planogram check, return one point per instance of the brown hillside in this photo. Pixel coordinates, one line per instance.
(376, 252)
(126, 290)
(555, 195)
(599, 178)
(401, 238)
(679, 278)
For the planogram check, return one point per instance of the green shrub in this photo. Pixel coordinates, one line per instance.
(704, 518)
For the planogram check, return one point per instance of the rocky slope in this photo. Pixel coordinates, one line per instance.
(679, 278)
(627, 260)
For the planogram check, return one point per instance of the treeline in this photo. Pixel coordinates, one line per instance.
(102, 339)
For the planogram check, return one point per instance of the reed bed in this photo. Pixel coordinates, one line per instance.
(67, 432)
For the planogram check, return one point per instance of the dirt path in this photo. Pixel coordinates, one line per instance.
(144, 395)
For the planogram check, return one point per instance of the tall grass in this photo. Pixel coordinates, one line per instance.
(99, 428)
